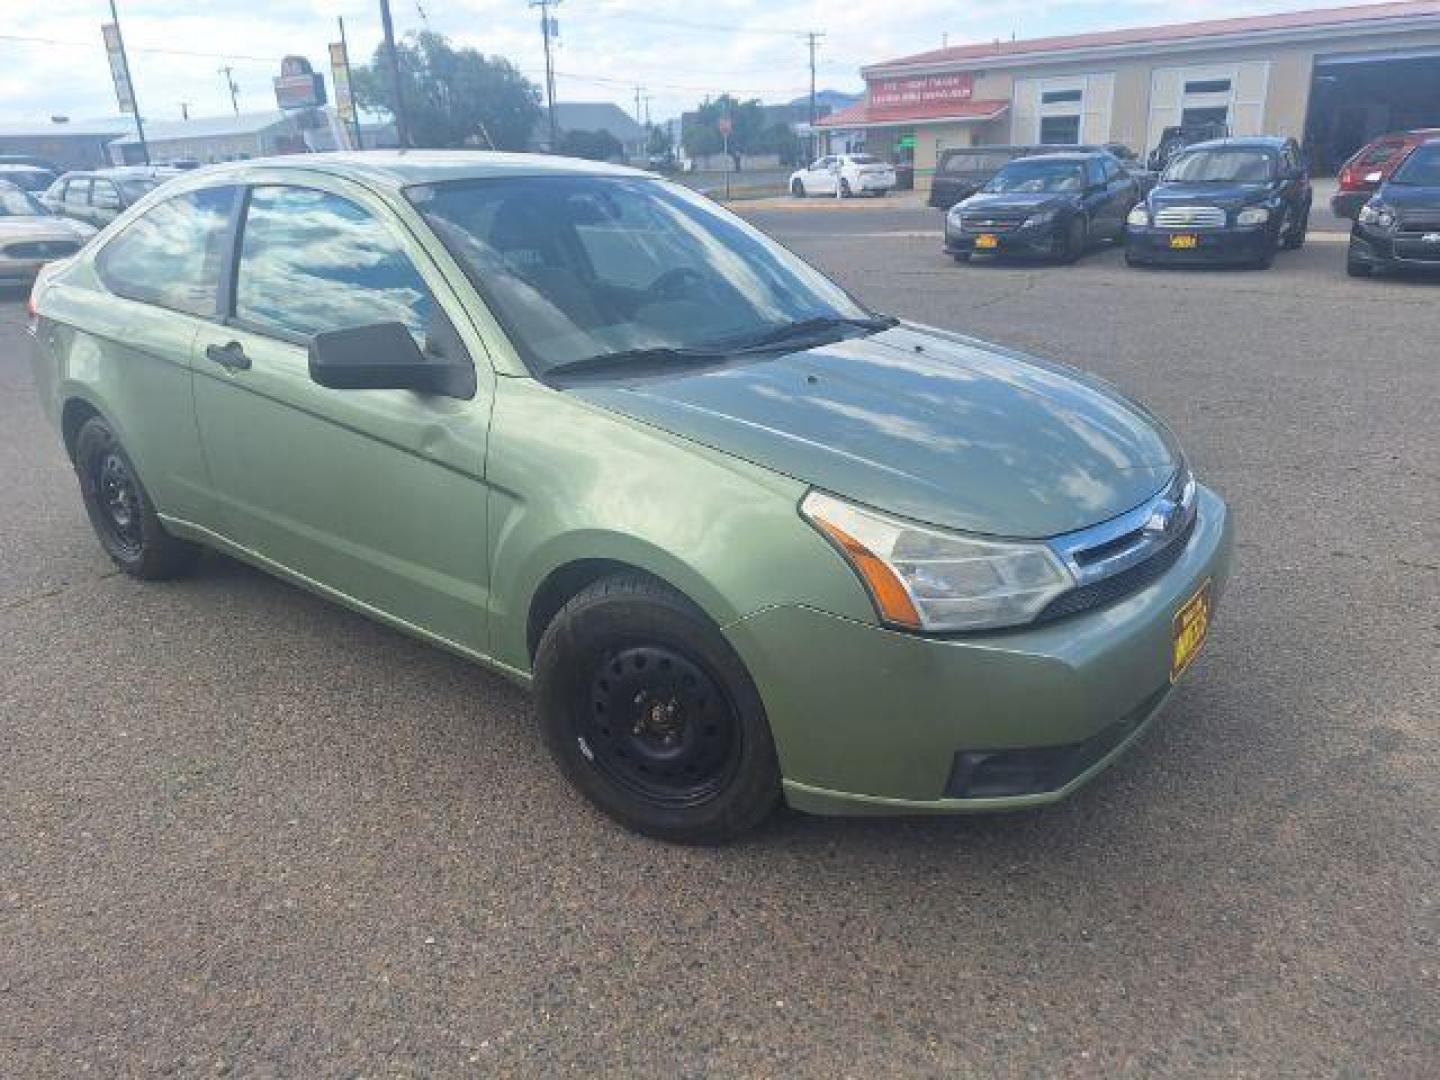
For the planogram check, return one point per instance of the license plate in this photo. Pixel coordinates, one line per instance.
(1188, 630)
(1184, 241)
(986, 240)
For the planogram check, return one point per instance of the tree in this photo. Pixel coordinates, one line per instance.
(595, 145)
(453, 97)
(658, 142)
(747, 123)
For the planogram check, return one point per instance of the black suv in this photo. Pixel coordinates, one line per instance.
(1399, 228)
(1053, 205)
(1226, 201)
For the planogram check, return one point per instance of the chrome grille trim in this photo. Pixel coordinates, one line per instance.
(1190, 217)
(1114, 546)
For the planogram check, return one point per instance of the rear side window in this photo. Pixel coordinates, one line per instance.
(171, 254)
(311, 261)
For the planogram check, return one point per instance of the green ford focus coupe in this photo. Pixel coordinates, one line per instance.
(747, 539)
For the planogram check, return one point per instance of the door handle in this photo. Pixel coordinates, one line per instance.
(231, 356)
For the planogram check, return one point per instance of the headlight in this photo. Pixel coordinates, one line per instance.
(1045, 217)
(1252, 215)
(922, 578)
(1376, 214)
(953, 215)
(1139, 215)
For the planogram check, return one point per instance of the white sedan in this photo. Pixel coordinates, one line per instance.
(856, 174)
(31, 236)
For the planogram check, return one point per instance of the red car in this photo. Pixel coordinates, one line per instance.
(1362, 175)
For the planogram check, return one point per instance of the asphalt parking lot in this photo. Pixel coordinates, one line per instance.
(247, 832)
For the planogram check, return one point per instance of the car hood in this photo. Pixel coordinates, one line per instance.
(1227, 196)
(1410, 197)
(1032, 203)
(925, 424)
(43, 228)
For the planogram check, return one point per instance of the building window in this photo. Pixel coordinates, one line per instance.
(1218, 115)
(1060, 130)
(1208, 86)
(1057, 97)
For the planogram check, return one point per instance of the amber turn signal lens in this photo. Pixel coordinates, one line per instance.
(890, 595)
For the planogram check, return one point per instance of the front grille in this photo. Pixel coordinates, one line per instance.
(1117, 587)
(1417, 250)
(1420, 221)
(992, 223)
(42, 249)
(1190, 217)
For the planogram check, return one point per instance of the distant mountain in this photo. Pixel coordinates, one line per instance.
(836, 99)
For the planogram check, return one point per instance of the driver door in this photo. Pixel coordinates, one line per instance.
(821, 177)
(376, 496)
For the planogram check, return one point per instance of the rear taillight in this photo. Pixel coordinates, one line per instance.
(32, 312)
(1347, 177)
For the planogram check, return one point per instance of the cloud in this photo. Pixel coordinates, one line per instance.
(678, 53)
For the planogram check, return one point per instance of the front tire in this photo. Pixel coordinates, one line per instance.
(1295, 238)
(797, 188)
(1355, 268)
(121, 512)
(648, 711)
(845, 191)
(1077, 239)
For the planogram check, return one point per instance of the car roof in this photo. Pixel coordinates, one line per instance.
(1248, 142)
(403, 168)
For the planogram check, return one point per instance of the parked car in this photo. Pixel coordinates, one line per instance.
(31, 178)
(961, 172)
(1053, 205)
(99, 197)
(857, 174)
(1399, 228)
(1361, 176)
(31, 236)
(30, 159)
(742, 535)
(1229, 201)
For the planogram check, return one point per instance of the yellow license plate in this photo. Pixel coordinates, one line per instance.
(1185, 241)
(1188, 630)
(986, 240)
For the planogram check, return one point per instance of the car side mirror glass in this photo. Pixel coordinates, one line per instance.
(385, 356)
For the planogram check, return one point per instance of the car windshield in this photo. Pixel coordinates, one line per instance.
(975, 163)
(1222, 167)
(580, 268)
(863, 159)
(1036, 177)
(17, 203)
(1421, 168)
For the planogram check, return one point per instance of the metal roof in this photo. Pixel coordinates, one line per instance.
(596, 116)
(208, 127)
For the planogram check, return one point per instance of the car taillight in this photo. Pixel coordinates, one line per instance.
(32, 313)
(1347, 177)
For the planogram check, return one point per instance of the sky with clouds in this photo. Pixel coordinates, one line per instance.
(679, 52)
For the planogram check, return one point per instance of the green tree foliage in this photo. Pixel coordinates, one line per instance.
(747, 126)
(595, 145)
(658, 142)
(453, 97)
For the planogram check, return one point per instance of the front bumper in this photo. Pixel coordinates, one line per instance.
(871, 721)
(1393, 250)
(1040, 241)
(1215, 247)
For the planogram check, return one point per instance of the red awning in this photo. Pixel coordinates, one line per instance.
(930, 112)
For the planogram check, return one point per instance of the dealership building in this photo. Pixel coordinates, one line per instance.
(1332, 78)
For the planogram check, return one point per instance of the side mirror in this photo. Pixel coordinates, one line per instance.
(384, 356)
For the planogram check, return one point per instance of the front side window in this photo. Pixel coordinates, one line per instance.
(1037, 176)
(577, 267)
(171, 255)
(77, 192)
(1222, 167)
(311, 261)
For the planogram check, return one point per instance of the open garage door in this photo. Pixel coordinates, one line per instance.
(1355, 98)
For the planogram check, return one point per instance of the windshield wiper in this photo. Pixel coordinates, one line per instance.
(808, 327)
(663, 354)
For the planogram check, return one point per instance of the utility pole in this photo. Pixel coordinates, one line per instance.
(184, 110)
(545, 32)
(647, 110)
(813, 38)
(639, 90)
(350, 81)
(134, 100)
(392, 61)
(231, 86)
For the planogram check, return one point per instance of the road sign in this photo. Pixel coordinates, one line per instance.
(297, 86)
(724, 125)
(340, 76)
(119, 70)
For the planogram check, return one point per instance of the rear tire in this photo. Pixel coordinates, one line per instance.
(121, 512)
(648, 711)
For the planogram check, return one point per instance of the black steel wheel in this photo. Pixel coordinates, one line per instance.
(120, 510)
(651, 715)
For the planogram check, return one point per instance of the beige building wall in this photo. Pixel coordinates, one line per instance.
(1271, 93)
